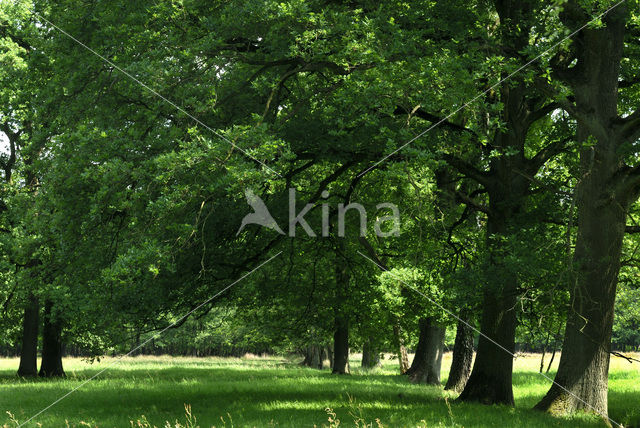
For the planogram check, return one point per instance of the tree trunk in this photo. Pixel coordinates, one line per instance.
(491, 377)
(584, 362)
(427, 362)
(307, 357)
(316, 357)
(370, 354)
(313, 356)
(553, 356)
(544, 351)
(508, 189)
(462, 358)
(51, 364)
(29, 350)
(341, 332)
(341, 347)
(419, 356)
(403, 356)
(603, 195)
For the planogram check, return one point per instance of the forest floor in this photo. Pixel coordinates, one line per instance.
(272, 391)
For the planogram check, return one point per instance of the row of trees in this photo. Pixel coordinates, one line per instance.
(120, 211)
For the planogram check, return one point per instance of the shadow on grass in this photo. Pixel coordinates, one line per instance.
(291, 396)
(624, 407)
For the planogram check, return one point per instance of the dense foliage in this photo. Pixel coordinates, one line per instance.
(136, 133)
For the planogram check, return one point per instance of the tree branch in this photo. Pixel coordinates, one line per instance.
(549, 151)
(5, 32)
(466, 169)
(570, 107)
(542, 112)
(627, 83)
(468, 200)
(422, 114)
(630, 127)
(372, 252)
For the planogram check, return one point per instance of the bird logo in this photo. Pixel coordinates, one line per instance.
(260, 215)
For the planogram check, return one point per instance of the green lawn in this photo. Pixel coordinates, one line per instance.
(276, 392)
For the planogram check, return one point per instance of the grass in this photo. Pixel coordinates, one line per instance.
(271, 391)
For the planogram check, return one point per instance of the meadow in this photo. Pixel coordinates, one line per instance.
(275, 391)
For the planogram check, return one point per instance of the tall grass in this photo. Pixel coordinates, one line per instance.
(177, 392)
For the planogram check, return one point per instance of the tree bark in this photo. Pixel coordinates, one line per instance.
(490, 381)
(29, 349)
(419, 356)
(51, 365)
(462, 358)
(341, 332)
(508, 184)
(403, 356)
(427, 362)
(603, 196)
(370, 354)
(507, 189)
(553, 356)
(316, 357)
(544, 351)
(341, 347)
(584, 362)
(324, 354)
(329, 351)
(313, 356)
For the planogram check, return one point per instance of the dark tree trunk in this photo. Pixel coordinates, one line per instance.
(313, 356)
(463, 348)
(553, 356)
(370, 354)
(29, 350)
(491, 377)
(584, 362)
(324, 354)
(341, 347)
(462, 358)
(341, 326)
(419, 356)
(316, 357)
(544, 352)
(307, 357)
(51, 364)
(403, 356)
(508, 189)
(604, 192)
(427, 362)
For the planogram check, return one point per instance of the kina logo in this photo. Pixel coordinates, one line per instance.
(262, 217)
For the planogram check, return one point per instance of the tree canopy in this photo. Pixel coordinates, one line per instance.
(432, 167)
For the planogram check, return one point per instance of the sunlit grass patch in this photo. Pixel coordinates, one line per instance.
(272, 391)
